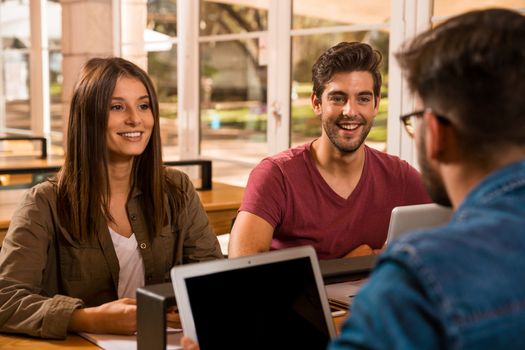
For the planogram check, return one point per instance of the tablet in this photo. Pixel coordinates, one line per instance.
(268, 301)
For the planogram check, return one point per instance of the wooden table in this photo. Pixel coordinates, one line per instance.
(20, 342)
(221, 204)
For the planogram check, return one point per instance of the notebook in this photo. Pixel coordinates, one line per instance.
(413, 217)
(274, 300)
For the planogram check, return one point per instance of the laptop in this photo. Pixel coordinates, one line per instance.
(274, 300)
(408, 218)
(346, 269)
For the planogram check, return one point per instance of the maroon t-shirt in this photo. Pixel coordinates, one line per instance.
(288, 191)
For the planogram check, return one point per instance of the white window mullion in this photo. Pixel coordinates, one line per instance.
(188, 81)
(395, 81)
(39, 69)
(279, 66)
(407, 21)
(117, 27)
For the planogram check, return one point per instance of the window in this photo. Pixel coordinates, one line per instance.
(315, 29)
(31, 69)
(238, 73)
(14, 19)
(160, 37)
(233, 88)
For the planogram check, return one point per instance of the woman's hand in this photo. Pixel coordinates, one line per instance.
(115, 317)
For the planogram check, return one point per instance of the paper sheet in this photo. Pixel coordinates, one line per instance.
(129, 342)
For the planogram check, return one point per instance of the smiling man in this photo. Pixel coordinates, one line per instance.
(333, 193)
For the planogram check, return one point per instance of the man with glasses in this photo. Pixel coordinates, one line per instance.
(462, 285)
(334, 193)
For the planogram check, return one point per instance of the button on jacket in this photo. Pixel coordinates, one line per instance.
(45, 274)
(459, 286)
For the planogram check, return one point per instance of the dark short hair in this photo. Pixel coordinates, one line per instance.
(346, 57)
(471, 68)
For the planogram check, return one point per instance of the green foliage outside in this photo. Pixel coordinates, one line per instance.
(304, 122)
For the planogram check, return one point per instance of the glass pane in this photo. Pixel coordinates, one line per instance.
(228, 17)
(14, 22)
(233, 108)
(54, 31)
(55, 92)
(452, 7)
(54, 24)
(162, 68)
(311, 14)
(162, 16)
(305, 50)
(16, 89)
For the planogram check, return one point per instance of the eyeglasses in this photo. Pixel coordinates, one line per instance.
(409, 120)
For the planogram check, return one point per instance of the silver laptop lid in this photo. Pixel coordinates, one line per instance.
(408, 218)
(266, 301)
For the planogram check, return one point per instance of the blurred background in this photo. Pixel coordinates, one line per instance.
(233, 76)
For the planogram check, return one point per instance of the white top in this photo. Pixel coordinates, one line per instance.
(131, 274)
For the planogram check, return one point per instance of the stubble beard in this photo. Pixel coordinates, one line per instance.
(431, 179)
(331, 130)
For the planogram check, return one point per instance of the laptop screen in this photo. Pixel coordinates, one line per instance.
(263, 306)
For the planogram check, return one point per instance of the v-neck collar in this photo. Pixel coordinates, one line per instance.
(310, 162)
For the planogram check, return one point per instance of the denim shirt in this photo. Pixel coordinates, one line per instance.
(459, 286)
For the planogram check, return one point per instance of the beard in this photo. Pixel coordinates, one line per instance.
(431, 179)
(342, 144)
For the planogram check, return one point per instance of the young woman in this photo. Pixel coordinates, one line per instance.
(113, 220)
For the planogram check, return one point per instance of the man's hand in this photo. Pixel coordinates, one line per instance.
(189, 344)
(115, 317)
(173, 318)
(363, 250)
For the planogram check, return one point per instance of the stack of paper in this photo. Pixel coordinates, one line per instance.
(129, 342)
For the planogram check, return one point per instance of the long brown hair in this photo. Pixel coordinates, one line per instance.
(83, 182)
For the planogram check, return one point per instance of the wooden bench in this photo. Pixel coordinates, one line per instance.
(52, 166)
(23, 137)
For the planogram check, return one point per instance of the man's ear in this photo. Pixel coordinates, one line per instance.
(439, 139)
(316, 104)
(376, 106)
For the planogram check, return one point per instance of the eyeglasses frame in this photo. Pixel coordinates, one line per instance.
(405, 119)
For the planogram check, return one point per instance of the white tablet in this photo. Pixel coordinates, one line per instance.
(272, 300)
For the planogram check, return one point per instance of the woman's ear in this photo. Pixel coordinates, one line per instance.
(316, 104)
